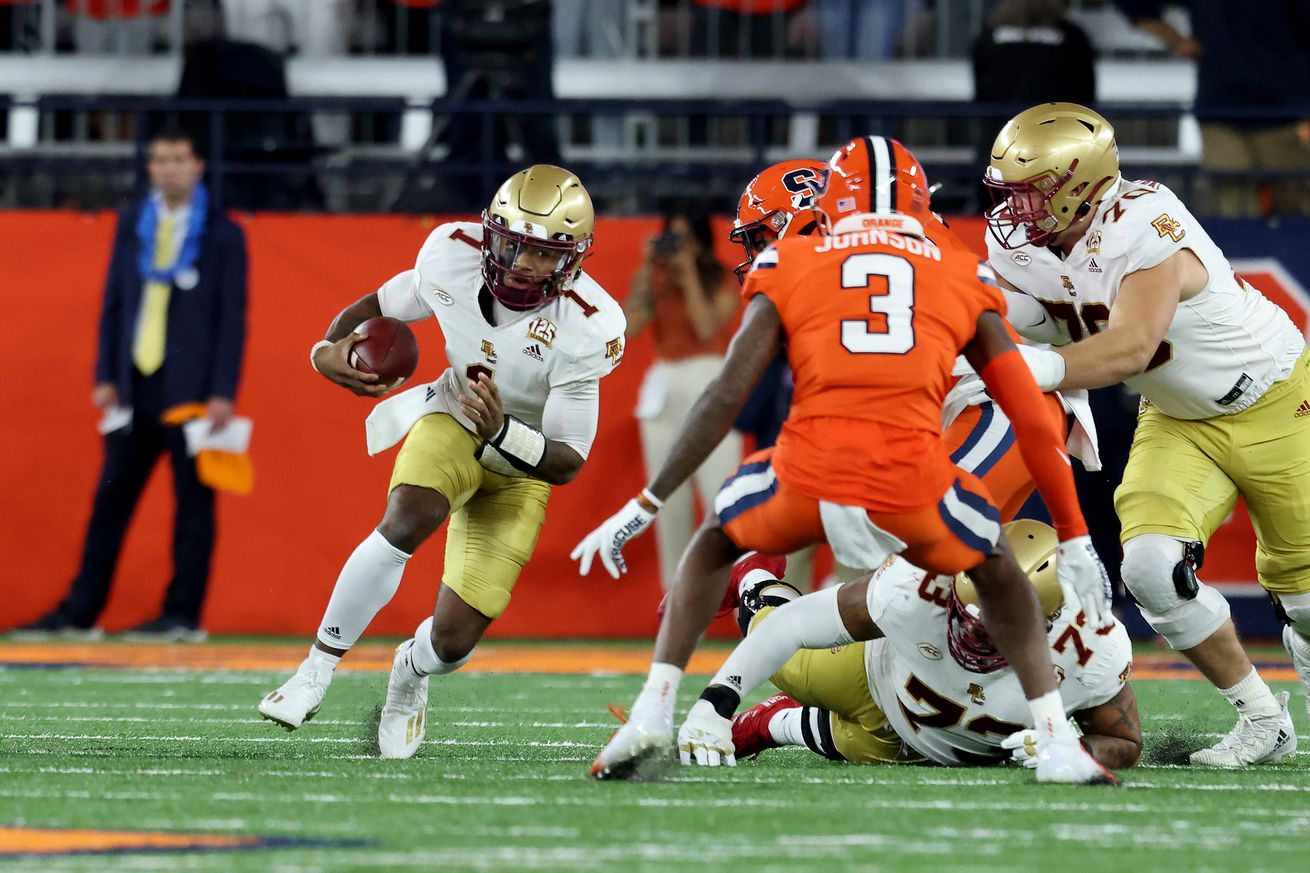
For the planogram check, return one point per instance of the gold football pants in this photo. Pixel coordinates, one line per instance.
(494, 520)
(1184, 477)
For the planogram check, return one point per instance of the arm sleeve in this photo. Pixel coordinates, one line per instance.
(111, 312)
(1041, 444)
(231, 342)
(399, 297)
(571, 414)
(1107, 671)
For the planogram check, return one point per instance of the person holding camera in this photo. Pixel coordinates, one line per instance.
(685, 296)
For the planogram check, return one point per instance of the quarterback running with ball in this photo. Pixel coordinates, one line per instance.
(528, 337)
(1125, 276)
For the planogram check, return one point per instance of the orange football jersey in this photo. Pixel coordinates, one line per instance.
(874, 321)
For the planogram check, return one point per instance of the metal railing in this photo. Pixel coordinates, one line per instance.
(264, 155)
(864, 30)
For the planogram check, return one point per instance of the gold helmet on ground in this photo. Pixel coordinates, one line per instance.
(536, 233)
(1034, 546)
(1049, 164)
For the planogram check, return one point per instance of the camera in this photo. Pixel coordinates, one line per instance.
(667, 244)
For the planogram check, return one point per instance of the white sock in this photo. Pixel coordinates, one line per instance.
(1049, 719)
(661, 689)
(367, 583)
(1252, 697)
(423, 655)
(807, 726)
(322, 662)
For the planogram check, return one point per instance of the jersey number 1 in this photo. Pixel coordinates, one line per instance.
(892, 332)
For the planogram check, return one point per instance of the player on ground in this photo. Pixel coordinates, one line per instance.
(873, 316)
(1124, 271)
(528, 336)
(933, 687)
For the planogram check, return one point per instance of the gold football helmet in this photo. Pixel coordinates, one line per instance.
(536, 233)
(1034, 546)
(1049, 165)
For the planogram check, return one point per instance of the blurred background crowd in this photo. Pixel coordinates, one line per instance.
(421, 105)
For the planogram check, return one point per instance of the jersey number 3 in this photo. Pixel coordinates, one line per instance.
(891, 330)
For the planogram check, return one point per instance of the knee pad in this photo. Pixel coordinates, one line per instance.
(1160, 573)
(1296, 612)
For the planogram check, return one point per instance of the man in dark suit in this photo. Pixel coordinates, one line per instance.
(172, 333)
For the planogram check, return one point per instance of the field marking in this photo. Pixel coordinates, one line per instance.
(603, 663)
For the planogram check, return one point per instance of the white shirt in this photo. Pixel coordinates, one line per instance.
(949, 714)
(1224, 347)
(547, 363)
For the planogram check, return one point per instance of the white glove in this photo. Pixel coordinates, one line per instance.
(1023, 747)
(706, 738)
(608, 539)
(1079, 567)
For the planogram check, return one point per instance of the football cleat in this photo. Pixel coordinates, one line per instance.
(1253, 740)
(639, 749)
(405, 714)
(1299, 648)
(774, 564)
(1067, 762)
(750, 729)
(299, 698)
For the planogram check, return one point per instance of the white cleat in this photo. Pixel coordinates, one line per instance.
(1067, 762)
(299, 698)
(405, 714)
(1299, 648)
(643, 745)
(1253, 740)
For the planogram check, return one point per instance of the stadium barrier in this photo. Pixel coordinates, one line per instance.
(317, 493)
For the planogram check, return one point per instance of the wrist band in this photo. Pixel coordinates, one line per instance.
(313, 350)
(520, 442)
(649, 502)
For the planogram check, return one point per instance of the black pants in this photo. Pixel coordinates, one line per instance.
(130, 456)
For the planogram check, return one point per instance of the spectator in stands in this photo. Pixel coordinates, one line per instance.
(496, 50)
(1029, 53)
(115, 26)
(688, 299)
(316, 28)
(1252, 93)
(863, 30)
(743, 28)
(172, 331)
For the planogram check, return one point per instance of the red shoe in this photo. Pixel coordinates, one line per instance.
(775, 564)
(750, 729)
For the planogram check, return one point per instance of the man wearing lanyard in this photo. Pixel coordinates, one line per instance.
(172, 332)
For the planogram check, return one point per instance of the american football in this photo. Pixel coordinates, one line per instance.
(852, 435)
(389, 349)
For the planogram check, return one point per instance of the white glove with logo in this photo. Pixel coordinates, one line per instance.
(706, 738)
(1078, 566)
(609, 539)
(1023, 747)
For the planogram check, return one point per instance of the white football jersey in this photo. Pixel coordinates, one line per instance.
(953, 716)
(574, 338)
(1224, 347)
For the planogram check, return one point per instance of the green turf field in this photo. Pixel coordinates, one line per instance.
(500, 785)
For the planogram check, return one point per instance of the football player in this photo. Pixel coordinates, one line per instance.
(860, 462)
(528, 336)
(933, 688)
(1123, 273)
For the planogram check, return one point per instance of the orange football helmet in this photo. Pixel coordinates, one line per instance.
(770, 203)
(872, 174)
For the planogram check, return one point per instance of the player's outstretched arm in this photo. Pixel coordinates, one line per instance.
(1112, 732)
(753, 348)
(331, 356)
(1010, 382)
(1142, 312)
